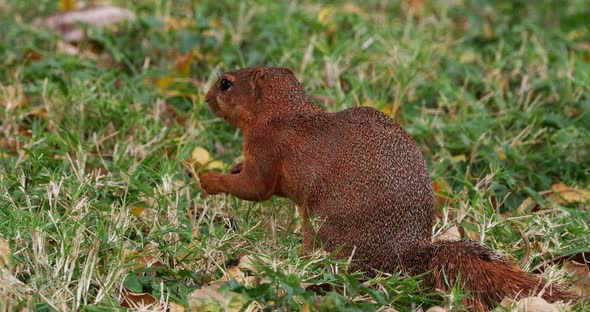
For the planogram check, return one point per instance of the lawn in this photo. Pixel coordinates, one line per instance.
(98, 137)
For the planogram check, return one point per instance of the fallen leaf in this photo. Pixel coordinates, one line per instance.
(213, 298)
(319, 288)
(175, 307)
(136, 300)
(67, 5)
(13, 97)
(414, 7)
(173, 23)
(351, 8)
(137, 210)
(149, 257)
(66, 23)
(458, 158)
(442, 192)
(163, 82)
(581, 276)
(500, 153)
(325, 14)
(4, 252)
(563, 194)
(387, 110)
(536, 304)
(183, 63)
(216, 164)
(252, 263)
(437, 309)
(559, 193)
(450, 234)
(234, 273)
(200, 156)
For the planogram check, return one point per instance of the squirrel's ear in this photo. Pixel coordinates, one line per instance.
(258, 80)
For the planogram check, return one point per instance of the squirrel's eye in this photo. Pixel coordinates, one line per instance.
(225, 84)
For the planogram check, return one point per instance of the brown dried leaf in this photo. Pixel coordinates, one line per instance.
(442, 190)
(317, 287)
(414, 7)
(234, 273)
(536, 304)
(581, 275)
(527, 304)
(450, 234)
(563, 194)
(212, 298)
(150, 257)
(66, 23)
(12, 97)
(249, 262)
(175, 307)
(131, 299)
(560, 194)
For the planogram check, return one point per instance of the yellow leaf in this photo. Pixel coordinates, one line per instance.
(500, 153)
(136, 211)
(216, 164)
(387, 109)
(458, 158)
(164, 82)
(200, 156)
(183, 63)
(67, 5)
(467, 57)
(325, 14)
(305, 308)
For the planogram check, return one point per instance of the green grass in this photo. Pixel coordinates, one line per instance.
(496, 93)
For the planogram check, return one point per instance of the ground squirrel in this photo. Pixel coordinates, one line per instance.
(362, 175)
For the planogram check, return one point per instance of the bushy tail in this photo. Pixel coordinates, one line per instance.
(485, 275)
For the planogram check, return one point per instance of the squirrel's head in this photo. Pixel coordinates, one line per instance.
(241, 95)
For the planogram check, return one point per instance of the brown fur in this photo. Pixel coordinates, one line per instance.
(361, 174)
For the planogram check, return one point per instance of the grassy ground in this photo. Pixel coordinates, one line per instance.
(95, 139)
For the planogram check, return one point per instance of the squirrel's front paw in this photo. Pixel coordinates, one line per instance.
(210, 183)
